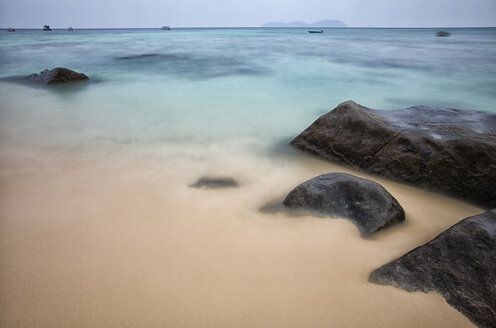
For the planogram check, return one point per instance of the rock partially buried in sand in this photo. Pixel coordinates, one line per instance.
(445, 149)
(364, 202)
(215, 183)
(56, 76)
(459, 264)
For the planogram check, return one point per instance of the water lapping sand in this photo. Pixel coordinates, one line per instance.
(101, 238)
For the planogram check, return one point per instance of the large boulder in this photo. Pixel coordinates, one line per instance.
(459, 264)
(56, 76)
(445, 149)
(364, 202)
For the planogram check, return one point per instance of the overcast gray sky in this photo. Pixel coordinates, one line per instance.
(213, 13)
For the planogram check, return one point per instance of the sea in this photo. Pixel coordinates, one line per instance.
(99, 224)
(258, 86)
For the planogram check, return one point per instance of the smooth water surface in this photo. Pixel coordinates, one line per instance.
(214, 86)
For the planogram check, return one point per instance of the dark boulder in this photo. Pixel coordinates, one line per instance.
(441, 148)
(56, 76)
(364, 202)
(214, 183)
(459, 264)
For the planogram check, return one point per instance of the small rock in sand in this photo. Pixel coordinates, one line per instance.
(215, 183)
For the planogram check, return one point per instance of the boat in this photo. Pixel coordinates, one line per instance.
(312, 31)
(11, 29)
(443, 33)
(167, 28)
(46, 28)
(70, 29)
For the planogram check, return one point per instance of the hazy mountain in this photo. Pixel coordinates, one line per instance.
(321, 23)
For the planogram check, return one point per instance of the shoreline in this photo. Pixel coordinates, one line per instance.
(100, 225)
(121, 238)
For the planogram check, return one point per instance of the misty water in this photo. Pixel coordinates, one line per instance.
(98, 224)
(262, 86)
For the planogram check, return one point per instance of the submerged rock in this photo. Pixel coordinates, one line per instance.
(143, 56)
(170, 56)
(56, 76)
(445, 149)
(214, 183)
(364, 202)
(459, 264)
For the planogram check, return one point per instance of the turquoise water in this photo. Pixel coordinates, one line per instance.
(247, 87)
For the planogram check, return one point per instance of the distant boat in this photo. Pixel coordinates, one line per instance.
(321, 31)
(11, 29)
(167, 28)
(70, 29)
(443, 33)
(46, 28)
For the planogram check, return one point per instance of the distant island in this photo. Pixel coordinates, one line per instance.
(321, 23)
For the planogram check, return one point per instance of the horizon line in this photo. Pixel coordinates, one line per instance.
(252, 27)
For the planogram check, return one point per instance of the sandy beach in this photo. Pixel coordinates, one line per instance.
(118, 238)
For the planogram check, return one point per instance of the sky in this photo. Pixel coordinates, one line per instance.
(245, 13)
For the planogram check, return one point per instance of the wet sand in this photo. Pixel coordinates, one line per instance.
(118, 239)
